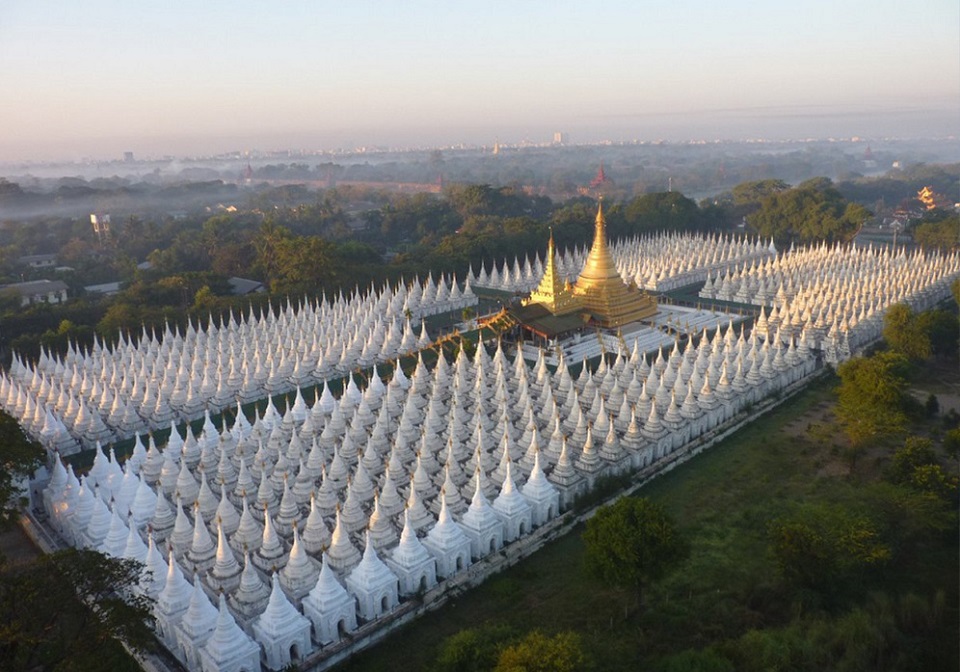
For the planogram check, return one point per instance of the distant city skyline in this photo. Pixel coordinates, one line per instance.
(98, 78)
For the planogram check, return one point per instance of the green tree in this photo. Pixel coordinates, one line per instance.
(907, 515)
(871, 397)
(942, 331)
(303, 264)
(820, 546)
(64, 610)
(749, 193)
(938, 229)
(669, 210)
(269, 245)
(204, 301)
(539, 653)
(473, 649)
(814, 210)
(20, 457)
(631, 543)
(904, 333)
(121, 316)
(9, 300)
(951, 443)
(916, 452)
(707, 660)
(933, 479)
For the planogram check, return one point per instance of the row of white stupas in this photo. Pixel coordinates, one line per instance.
(298, 528)
(112, 392)
(658, 262)
(837, 294)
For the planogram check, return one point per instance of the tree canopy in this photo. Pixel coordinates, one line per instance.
(813, 210)
(932, 333)
(938, 229)
(666, 210)
(631, 543)
(752, 193)
(19, 457)
(903, 332)
(872, 396)
(539, 653)
(820, 545)
(64, 610)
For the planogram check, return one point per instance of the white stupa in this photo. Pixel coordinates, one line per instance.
(412, 563)
(448, 544)
(513, 509)
(282, 631)
(330, 607)
(481, 523)
(229, 649)
(196, 626)
(541, 494)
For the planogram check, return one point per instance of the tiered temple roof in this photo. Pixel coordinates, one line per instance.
(601, 290)
(600, 293)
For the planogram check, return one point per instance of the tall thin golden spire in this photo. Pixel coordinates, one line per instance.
(600, 266)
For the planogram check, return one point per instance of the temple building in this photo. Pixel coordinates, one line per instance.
(600, 297)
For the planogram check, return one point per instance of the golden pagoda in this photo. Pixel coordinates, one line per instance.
(554, 293)
(601, 290)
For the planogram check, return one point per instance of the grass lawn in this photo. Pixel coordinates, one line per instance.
(723, 501)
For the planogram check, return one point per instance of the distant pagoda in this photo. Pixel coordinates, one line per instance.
(600, 179)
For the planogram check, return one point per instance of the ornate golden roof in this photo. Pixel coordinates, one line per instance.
(553, 292)
(600, 291)
(603, 292)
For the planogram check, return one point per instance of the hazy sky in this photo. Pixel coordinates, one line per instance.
(97, 77)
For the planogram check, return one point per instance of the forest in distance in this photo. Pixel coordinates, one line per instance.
(302, 241)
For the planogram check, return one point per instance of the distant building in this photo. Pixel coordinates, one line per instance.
(105, 288)
(128, 157)
(101, 226)
(243, 286)
(560, 138)
(600, 183)
(38, 260)
(38, 291)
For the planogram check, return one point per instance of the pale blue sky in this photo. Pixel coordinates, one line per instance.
(95, 77)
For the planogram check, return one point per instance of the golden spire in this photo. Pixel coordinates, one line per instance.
(601, 289)
(600, 266)
(553, 292)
